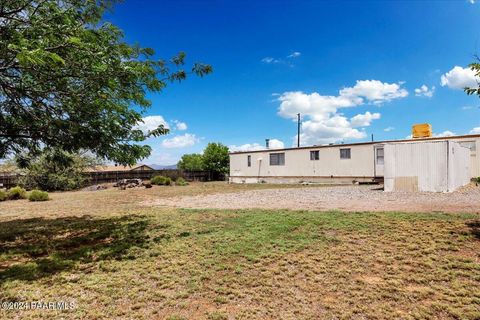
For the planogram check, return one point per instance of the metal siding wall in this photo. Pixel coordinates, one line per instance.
(420, 166)
(298, 163)
(458, 166)
(389, 170)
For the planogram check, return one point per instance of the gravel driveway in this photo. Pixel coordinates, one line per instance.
(347, 198)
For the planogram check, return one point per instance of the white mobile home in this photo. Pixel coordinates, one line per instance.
(339, 163)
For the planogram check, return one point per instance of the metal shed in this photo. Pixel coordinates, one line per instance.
(437, 166)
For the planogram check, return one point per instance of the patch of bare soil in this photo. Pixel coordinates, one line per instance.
(346, 198)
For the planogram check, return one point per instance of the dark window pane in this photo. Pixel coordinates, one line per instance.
(345, 153)
(277, 159)
(380, 157)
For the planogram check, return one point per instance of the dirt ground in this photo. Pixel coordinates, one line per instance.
(346, 198)
(115, 256)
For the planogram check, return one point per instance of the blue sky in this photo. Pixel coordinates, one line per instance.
(351, 69)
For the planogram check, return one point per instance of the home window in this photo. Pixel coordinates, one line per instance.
(345, 153)
(249, 161)
(277, 159)
(380, 156)
(315, 155)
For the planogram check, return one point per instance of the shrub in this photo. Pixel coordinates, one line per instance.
(158, 180)
(477, 179)
(181, 182)
(3, 195)
(38, 195)
(161, 181)
(16, 193)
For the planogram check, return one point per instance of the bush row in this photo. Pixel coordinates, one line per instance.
(17, 193)
(167, 181)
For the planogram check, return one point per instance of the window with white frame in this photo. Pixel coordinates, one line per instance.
(315, 155)
(345, 153)
(277, 159)
(380, 156)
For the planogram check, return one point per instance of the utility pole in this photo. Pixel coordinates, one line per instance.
(298, 130)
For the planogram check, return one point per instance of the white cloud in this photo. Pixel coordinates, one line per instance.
(273, 144)
(475, 130)
(271, 60)
(180, 141)
(334, 129)
(324, 124)
(151, 123)
(276, 144)
(375, 91)
(364, 120)
(294, 54)
(425, 91)
(472, 1)
(159, 156)
(388, 129)
(246, 147)
(182, 126)
(459, 78)
(467, 107)
(446, 133)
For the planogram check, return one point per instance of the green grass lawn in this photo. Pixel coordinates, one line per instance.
(146, 263)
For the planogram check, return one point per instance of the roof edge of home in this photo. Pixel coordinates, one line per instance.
(359, 143)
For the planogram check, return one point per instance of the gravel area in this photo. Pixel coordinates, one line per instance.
(346, 198)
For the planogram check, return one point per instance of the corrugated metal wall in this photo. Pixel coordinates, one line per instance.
(426, 166)
(458, 165)
(298, 163)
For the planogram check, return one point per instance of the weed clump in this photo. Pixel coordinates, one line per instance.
(38, 195)
(181, 182)
(161, 181)
(16, 193)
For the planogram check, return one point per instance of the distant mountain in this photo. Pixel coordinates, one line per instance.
(163, 167)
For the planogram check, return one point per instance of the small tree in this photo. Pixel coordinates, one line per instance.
(68, 80)
(215, 158)
(56, 170)
(193, 161)
(476, 68)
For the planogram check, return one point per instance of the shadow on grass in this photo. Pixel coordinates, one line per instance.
(474, 228)
(34, 248)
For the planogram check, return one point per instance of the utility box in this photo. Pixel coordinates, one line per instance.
(434, 166)
(422, 130)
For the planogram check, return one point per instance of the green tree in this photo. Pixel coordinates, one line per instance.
(215, 158)
(193, 161)
(476, 68)
(57, 170)
(69, 81)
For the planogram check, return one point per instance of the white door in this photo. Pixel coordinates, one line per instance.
(379, 160)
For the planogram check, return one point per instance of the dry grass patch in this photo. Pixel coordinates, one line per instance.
(119, 260)
(113, 201)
